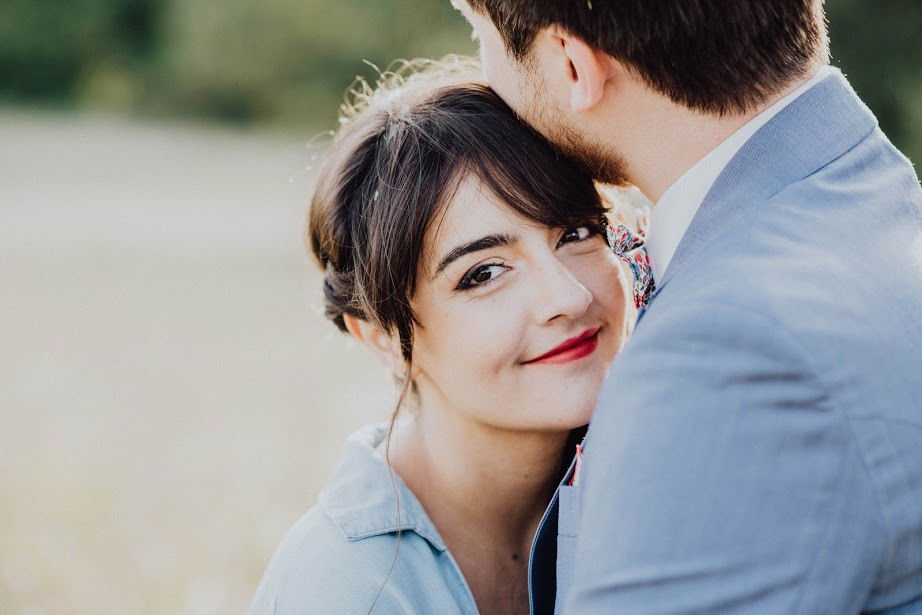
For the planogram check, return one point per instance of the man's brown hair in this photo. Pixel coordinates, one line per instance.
(716, 56)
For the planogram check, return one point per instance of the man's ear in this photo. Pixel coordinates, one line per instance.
(382, 344)
(589, 68)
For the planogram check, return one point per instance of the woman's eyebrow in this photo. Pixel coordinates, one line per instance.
(484, 243)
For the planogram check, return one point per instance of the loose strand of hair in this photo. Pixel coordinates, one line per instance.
(401, 398)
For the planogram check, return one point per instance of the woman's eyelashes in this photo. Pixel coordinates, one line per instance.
(583, 232)
(485, 273)
(481, 275)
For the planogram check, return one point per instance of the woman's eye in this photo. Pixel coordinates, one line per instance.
(480, 275)
(578, 233)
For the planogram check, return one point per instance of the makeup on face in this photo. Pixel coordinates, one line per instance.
(572, 349)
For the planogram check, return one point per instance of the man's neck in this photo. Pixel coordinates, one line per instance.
(667, 139)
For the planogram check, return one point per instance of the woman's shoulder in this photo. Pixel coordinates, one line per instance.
(366, 543)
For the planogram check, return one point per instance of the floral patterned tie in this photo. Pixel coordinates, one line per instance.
(630, 248)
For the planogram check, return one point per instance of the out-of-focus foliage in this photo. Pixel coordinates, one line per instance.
(288, 61)
(275, 61)
(879, 47)
(48, 48)
(292, 59)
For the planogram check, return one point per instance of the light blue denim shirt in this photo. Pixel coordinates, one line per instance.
(339, 558)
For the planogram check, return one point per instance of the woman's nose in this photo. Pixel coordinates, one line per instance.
(560, 293)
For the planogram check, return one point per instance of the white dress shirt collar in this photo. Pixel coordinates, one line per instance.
(673, 213)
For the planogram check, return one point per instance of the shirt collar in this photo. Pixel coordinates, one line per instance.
(362, 497)
(676, 208)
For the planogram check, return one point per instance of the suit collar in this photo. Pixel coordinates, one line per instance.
(677, 207)
(819, 126)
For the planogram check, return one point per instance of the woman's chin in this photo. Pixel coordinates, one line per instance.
(573, 402)
(571, 416)
(583, 415)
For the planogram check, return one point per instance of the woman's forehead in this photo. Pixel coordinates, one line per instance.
(473, 212)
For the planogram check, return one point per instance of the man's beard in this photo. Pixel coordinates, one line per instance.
(603, 164)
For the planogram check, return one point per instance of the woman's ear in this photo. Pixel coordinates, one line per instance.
(588, 69)
(382, 344)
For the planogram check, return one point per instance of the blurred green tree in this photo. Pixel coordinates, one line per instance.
(287, 62)
(290, 60)
(48, 46)
(879, 47)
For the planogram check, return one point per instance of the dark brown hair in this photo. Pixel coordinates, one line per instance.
(716, 56)
(401, 152)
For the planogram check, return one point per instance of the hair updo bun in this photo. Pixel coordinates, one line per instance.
(337, 297)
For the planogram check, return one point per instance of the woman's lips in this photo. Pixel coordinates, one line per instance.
(572, 349)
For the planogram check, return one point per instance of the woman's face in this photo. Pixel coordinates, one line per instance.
(518, 321)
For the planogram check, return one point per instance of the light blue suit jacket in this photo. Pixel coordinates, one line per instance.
(758, 445)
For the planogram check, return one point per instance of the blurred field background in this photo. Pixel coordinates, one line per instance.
(171, 398)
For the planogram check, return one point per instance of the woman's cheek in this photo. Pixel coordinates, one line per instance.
(601, 274)
(466, 327)
(495, 326)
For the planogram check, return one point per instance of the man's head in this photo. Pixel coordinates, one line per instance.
(555, 60)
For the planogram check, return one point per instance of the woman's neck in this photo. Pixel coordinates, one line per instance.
(484, 488)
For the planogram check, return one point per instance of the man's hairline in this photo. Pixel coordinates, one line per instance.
(527, 55)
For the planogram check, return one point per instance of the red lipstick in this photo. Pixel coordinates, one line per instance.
(572, 349)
